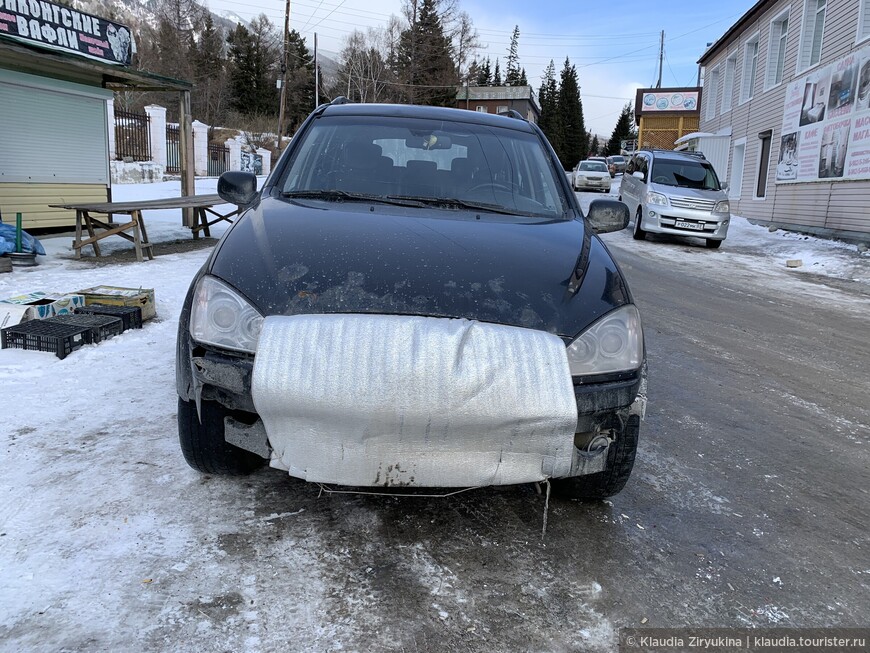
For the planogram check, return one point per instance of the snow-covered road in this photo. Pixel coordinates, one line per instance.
(108, 541)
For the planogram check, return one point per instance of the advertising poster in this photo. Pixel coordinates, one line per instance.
(670, 101)
(826, 123)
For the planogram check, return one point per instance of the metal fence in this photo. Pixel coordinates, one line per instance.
(131, 136)
(173, 149)
(218, 159)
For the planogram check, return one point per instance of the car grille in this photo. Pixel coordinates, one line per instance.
(695, 203)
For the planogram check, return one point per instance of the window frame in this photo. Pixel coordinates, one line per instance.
(775, 46)
(481, 108)
(802, 64)
(745, 96)
(863, 22)
(711, 97)
(762, 136)
(737, 185)
(728, 94)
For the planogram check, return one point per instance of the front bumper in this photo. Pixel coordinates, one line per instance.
(597, 184)
(226, 378)
(663, 220)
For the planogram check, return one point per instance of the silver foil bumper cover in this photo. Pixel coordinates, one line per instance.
(368, 400)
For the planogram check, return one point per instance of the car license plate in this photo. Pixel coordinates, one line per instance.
(689, 225)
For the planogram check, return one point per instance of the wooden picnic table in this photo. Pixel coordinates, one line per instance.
(202, 206)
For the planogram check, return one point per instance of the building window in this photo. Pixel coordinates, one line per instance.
(711, 93)
(502, 109)
(812, 33)
(728, 91)
(738, 158)
(864, 20)
(750, 67)
(481, 108)
(776, 50)
(763, 165)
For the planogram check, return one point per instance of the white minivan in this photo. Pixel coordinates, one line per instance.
(676, 193)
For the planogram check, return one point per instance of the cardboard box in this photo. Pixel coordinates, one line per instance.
(37, 306)
(115, 296)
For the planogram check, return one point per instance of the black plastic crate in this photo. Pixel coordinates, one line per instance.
(42, 335)
(102, 327)
(131, 316)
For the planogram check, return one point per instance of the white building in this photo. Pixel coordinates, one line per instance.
(788, 87)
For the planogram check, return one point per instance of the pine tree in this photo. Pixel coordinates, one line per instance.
(300, 82)
(209, 99)
(524, 81)
(595, 147)
(623, 131)
(423, 59)
(496, 75)
(484, 77)
(253, 55)
(550, 120)
(512, 67)
(570, 108)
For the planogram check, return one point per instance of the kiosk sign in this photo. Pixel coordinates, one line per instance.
(63, 28)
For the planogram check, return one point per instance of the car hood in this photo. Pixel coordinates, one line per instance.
(302, 257)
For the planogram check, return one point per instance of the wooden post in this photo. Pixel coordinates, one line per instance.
(185, 146)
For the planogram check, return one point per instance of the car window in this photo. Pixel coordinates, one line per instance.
(617, 159)
(414, 157)
(593, 166)
(685, 174)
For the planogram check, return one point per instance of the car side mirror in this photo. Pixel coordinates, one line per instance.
(607, 215)
(237, 187)
(724, 186)
(637, 174)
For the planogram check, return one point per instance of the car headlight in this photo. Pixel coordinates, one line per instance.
(722, 207)
(656, 198)
(220, 316)
(613, 344)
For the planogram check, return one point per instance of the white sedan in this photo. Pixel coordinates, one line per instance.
(591, 175)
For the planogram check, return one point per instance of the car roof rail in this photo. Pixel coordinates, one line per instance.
(341, 100)
(512, 113)
(661, 150)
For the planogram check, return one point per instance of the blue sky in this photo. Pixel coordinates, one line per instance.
(614, 44)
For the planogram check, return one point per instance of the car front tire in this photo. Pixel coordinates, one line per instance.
(638, 233)
(203, 444)
(617, 470)
(713, 244)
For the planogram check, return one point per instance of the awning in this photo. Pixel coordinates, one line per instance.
(34, 60)
(693, 135)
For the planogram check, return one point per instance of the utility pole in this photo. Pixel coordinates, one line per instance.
(316, 75)
(284, 75)
(661, 55)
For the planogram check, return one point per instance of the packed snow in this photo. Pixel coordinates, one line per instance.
(107, 541)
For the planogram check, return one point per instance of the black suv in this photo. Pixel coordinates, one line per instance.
(413, 298)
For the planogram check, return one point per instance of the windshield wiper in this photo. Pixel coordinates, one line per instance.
(334, 194)
(465, 204)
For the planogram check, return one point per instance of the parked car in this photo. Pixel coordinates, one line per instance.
(675, 193)
(591, 175)
(414, 298)
(616, 164)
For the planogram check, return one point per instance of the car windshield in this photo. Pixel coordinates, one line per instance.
(685, 174)
(617, 159)
(441, 164)
(593, 166)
